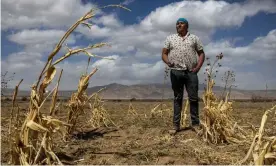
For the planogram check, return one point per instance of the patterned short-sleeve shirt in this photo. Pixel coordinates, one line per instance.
(183, 50)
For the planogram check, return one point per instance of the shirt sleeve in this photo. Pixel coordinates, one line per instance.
(199, 45)
(167, 43)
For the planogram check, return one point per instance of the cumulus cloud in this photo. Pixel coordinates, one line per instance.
(110, 20)
(262, 48)
(127, 2)
(50, 13)
(37, 46)
(251, 80)
(33, 36)
(149, 35)
(95, 32)
(212, 14)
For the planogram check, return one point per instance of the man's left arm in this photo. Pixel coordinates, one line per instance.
(200, 62)
(201, 54)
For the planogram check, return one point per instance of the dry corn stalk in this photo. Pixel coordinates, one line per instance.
(77, 102)
(12, 134)
(263, 148)
(54, 97)
(184, 114)
(79, 99)
(33, 144)
(218, 125)
(99, 115)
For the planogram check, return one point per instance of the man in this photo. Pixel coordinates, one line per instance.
(183, 53)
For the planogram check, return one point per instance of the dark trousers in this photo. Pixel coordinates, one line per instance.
(179, 78)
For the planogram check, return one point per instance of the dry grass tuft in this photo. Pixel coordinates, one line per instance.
(159, 110)
(167, 138)
(131, 110)
(263, 147)
(218, 125)
(99, 115)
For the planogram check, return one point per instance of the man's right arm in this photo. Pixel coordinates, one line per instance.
(165, 53)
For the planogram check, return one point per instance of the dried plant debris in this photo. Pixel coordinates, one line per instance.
(263, 147)
(99, 115)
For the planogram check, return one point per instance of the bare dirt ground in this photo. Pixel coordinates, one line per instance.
(141, 139)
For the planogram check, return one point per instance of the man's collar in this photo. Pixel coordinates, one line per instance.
(187, 34)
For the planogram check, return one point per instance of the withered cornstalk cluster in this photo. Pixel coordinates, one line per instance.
(33, 143)
(218, 126)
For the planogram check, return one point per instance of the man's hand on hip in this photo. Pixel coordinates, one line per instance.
(195, 70)
(170, 64)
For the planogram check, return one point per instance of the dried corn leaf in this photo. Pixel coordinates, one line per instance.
(35, 126)
(83, 83)
(50, 74)
(270, 155)
(55, 122)
(91, 55)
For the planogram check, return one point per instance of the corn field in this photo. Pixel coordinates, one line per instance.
(32, 142)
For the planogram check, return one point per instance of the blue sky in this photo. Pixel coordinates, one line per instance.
(244, 31)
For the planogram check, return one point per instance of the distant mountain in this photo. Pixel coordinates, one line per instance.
(151, 91)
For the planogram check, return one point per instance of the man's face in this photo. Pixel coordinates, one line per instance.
(181, 27)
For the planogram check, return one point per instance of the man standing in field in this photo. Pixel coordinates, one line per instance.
(183, 53)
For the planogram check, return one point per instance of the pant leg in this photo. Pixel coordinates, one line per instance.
(192, 89)
(177, 86)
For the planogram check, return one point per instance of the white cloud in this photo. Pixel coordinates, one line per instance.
(127, 2)
(32, 13)
(94, 32)
(251, 80)
(110, 20)
(27, 58)
(40, 41)
(25, 66)
(212, 14)
(262, 48)
(34, 36)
